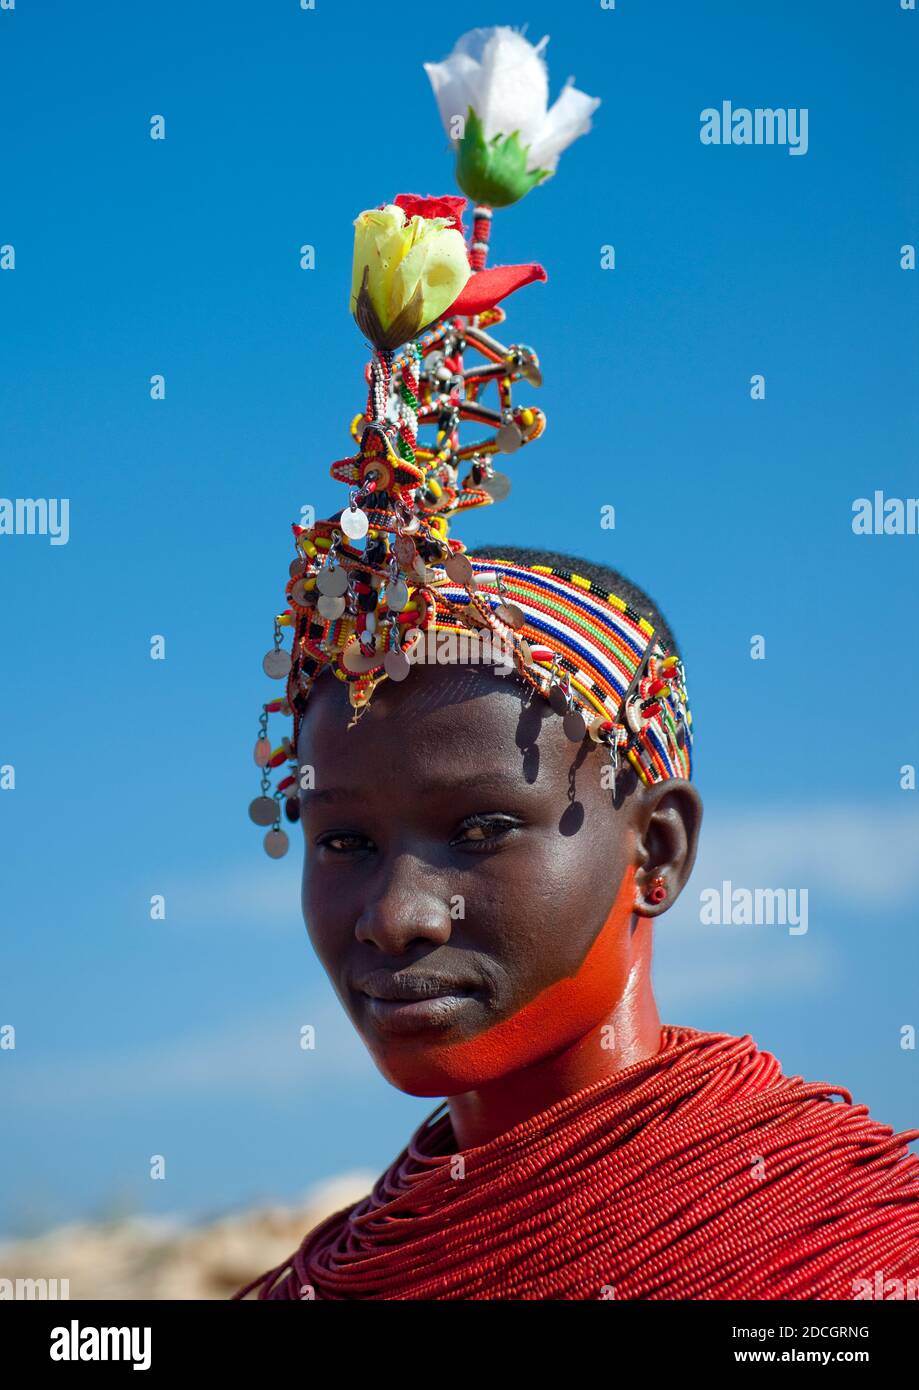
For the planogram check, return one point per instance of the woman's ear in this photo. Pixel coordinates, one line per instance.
(670, 818)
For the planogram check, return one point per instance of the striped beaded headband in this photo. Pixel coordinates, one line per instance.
(597, 660)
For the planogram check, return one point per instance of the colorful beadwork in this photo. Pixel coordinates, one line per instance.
(369, 587)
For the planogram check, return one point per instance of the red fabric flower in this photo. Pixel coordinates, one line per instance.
(484, 289)
(449, 206)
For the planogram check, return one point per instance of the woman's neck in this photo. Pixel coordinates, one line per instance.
(631, 1033)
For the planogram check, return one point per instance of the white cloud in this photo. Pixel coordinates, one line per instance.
(861, 856)
(691, 969)
(261, 895)
(844, 856)
(257, 1052)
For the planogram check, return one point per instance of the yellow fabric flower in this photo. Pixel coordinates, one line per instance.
(407, 272)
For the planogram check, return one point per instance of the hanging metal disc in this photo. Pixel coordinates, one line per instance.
(396, 665)
(557, 700)
(296, 568)
(276, 844)
(459, 568)
(508, 439)
(355, 524)
(574, 726)
(263, 810)
(405, 550)
(512, 615)
(276, 664)
(397, 595)
(298, 594)
(330, 607)
(498, 486)
(333, 582)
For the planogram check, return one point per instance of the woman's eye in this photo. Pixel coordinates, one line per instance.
(480, 830)
(342, 843)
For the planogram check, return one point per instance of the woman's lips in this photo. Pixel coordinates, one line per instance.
(400, 1016)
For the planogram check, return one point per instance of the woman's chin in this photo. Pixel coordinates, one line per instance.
(423, 1068)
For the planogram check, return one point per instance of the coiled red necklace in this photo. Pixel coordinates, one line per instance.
(700, 1172)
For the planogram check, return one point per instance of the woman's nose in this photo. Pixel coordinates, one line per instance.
(405, 908)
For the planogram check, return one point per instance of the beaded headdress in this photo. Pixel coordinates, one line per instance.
(383, 586)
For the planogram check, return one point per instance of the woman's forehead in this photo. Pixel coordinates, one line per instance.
(435, 697)
(440, 723)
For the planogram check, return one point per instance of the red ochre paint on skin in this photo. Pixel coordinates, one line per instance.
(556, 1018)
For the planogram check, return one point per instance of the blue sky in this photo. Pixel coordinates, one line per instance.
(180, 257)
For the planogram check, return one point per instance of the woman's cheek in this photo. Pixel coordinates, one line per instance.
(556, 1018)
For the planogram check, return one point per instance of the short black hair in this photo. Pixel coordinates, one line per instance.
(604, 575)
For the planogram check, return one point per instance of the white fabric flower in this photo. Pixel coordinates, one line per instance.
(504, 78)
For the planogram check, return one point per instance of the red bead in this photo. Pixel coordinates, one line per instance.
(658, 891)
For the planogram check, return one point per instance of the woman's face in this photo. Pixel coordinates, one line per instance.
(467, 881)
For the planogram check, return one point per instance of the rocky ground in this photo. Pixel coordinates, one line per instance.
(152, 1258)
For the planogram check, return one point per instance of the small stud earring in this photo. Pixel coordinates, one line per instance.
(658, 891)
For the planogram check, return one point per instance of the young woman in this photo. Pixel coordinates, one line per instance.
(487, 842)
